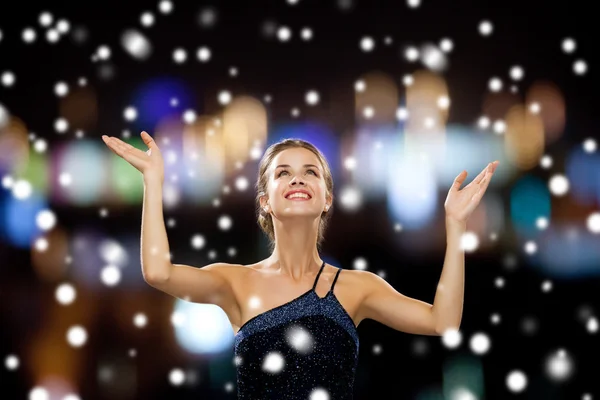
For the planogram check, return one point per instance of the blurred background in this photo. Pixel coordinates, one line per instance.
(400, 96)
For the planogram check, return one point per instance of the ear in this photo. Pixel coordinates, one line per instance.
(263, 200)
(329, 200)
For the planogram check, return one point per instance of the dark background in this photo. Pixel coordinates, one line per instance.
(525, 33)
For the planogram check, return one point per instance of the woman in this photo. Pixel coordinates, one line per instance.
(297, 337)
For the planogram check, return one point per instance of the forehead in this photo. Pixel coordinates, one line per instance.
(296, 157)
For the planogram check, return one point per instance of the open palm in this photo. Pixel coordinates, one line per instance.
(149, 163)
(461, 203)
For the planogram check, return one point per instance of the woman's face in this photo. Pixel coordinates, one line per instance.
(296, 169)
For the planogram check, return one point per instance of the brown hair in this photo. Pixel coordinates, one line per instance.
(265, 219)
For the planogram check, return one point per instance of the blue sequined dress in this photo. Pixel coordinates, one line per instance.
(304, 349)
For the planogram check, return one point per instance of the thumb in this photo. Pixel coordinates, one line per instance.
(148, 140)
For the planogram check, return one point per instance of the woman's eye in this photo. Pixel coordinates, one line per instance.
(310, 170)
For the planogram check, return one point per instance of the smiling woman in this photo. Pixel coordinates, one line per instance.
(282, 172)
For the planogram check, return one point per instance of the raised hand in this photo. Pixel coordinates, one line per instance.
(461, 203)
(149, 163)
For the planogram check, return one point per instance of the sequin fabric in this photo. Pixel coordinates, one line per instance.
(304, 349)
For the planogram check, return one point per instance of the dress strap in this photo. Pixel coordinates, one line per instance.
(335, 280)
(319, 274)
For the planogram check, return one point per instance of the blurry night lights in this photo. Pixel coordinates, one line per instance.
(45, 220)
(546, 162)
(61, 89)
(401, 114)
(483, 122)
(28, 35)
(568, 45)
(295, 112)
(368, 112)
(284, 34)
(176, 377)
(485, 28)
(446, 45)
(41, 244)
(367, 44)
(241, 183)
(306, 34)
(76, 336)
(559, 185)
(11, 362)
(292, 2)
(593, 223)
(408, 80)
(413, 3)
(479, 343)
(140, 320)
(350, 163)
(499, 126)
(224, 97)
(360, 263)
(189, 116)
(299, 339)
(469, 242)
(45, 19)
(208, 17)
(39, 393)
(535, 108)
(225, 222)
(559, 365)
(360, 86)
(580, 67)
(443, 102)
(433, 58)
(319, 393)
(203, 54)
(233, 71)
(179, 55)
(65, 294)
(52, 35)
(110, 275)
(516, 381)
(541, 223)
(273, 362)
(516, 73)
(61, 125)
(8, 78)
(147, 19)
(198, 241)
(130, 113)
(312, 97)
(63, 26)
(103, 52)
(165, 6)
(530, 247)
(451, 338)
(589, 145)
(411, 54)
(495, 84)
(22, 189)
(136, 44)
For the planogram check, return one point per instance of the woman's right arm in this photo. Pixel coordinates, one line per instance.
(210, 284)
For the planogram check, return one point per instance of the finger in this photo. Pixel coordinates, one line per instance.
(148, 140)
(479, 177)
(459, 180)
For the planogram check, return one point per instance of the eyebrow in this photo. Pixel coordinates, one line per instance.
(305, 165)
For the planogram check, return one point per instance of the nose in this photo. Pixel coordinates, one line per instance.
(295, 180)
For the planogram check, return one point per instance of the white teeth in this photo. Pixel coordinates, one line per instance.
(295, 195)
